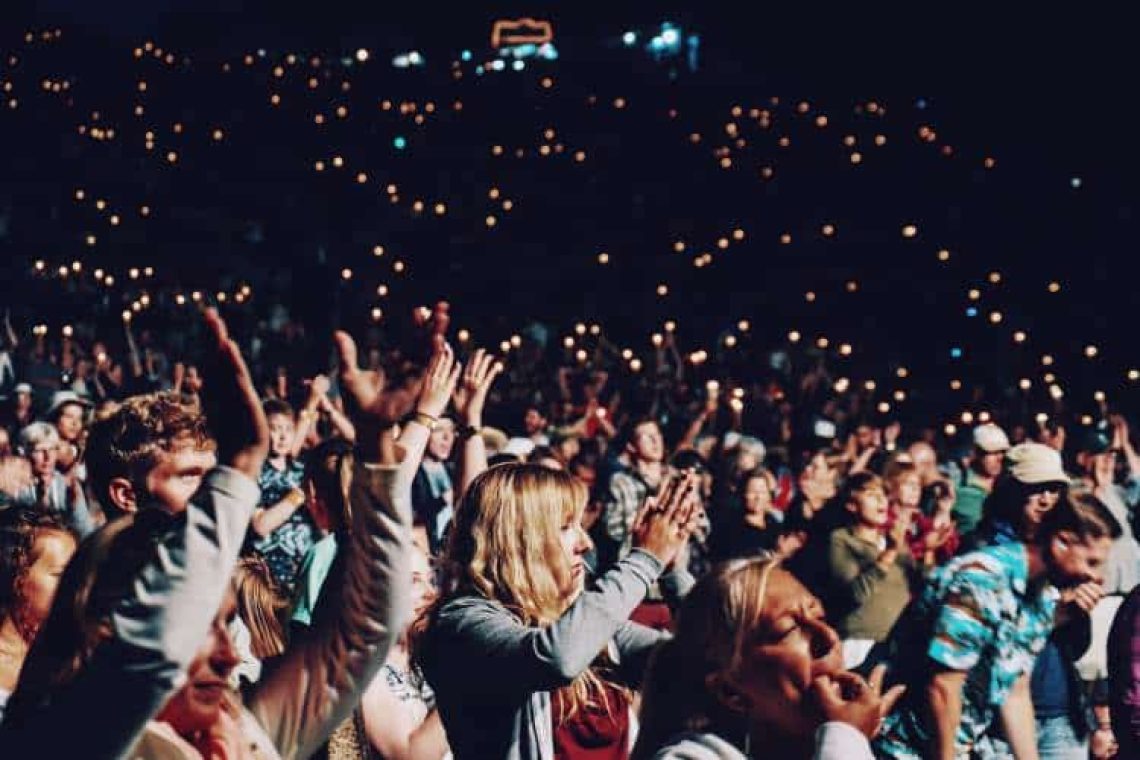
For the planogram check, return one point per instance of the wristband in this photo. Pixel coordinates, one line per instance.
(467, 431)
(425, 419)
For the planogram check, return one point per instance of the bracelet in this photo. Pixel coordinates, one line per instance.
(425, 419)
(467, 431)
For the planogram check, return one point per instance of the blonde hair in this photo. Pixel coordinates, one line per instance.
(505, 546)
(715, 623)
(262, 607)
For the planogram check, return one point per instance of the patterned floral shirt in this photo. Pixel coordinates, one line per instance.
(979, 615)
(285, 548)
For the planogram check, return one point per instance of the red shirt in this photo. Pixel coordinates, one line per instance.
(592, 734)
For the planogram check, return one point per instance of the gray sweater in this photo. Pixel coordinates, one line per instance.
(493, 675)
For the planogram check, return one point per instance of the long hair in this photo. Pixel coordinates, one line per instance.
(98, 577)
(262, 607)
(329, 468)
(20, 529)
(505, 546)
(713, 629)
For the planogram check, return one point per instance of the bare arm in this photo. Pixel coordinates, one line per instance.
(391, 731)
(1017, 719)
(339, 421)
(944, 695)
(268, 519)
(470, 397)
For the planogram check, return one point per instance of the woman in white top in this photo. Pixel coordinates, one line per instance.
(754, 670)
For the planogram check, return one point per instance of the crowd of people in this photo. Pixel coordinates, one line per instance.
(562, 525)
(355, 565)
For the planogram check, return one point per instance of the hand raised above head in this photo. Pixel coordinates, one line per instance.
(471, 393)
(230, 400)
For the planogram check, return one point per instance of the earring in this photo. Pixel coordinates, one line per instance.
(748, 743)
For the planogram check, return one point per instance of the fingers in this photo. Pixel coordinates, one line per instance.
(890, 699)
(828, 693)
(876, 679)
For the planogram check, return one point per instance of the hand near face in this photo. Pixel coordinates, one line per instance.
(848, 698)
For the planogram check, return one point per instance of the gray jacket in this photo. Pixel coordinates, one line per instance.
(158, 628)
(493, 675)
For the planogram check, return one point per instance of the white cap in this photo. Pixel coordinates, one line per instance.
(1035, 463)
(990, 438)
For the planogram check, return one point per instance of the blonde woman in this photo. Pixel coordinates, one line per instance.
(755, 671)
(516, 646)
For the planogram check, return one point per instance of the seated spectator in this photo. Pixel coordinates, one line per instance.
(51, 491)
(870, 572)
(756, 671)
(34, 549)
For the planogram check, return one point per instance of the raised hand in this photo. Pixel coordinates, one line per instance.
(231, 403)
(372, 409)
(664, 524)
(439, 380)
(848, 698)
(320, 385)
(471, 394)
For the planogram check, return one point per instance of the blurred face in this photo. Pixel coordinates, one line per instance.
(790, 647)
(192, 381)
(864, 436)
(924, 461)
(990, 463)
(747, 460)
(178, 474)
(757, 497)
(70, 422)
(423, 582)
(198, 705)
(5, 443)
(586, 474)
(568, 448)
(575, 543)
(533, 422)
(50, 555)
(1038, 503)
(43, 458)
(23, 401)
(1103, 466)
(909, 490)
(648, 445)
(1072, 561)
(441, 441)
(870, 507)
(282, 430)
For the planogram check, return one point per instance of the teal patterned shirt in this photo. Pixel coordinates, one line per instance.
(978, 615)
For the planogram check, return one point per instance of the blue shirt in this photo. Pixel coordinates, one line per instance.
(978, 615)
(285, 548)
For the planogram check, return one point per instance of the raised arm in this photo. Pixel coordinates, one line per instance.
(321, 677)
(168, 604)
(470, 397)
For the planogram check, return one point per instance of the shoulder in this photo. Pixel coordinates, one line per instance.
(698, 746)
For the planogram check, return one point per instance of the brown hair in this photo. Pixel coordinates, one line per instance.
(128, 442)
(96, 580)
